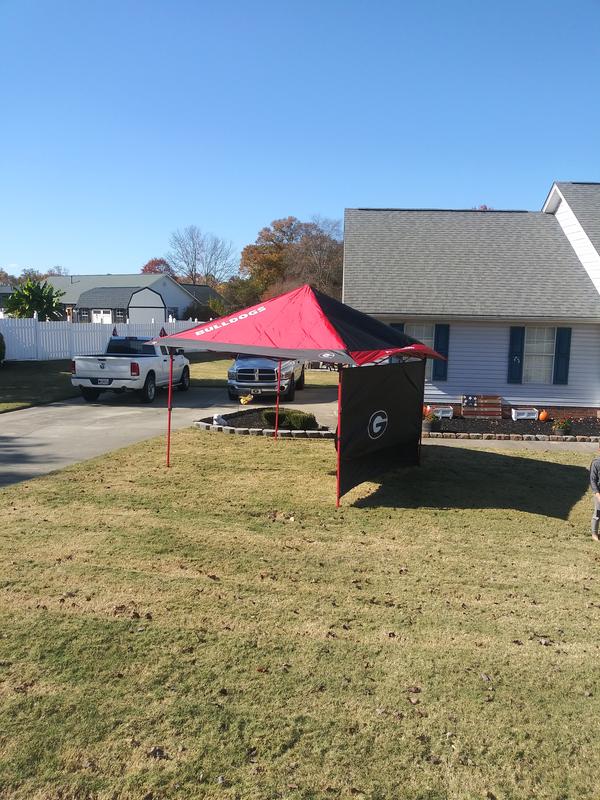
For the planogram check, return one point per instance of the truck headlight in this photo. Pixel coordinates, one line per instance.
(231, 374)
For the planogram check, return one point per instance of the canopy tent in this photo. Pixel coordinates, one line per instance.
(302, 324)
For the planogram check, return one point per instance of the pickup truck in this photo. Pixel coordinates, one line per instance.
(258, 375)
(130, 362)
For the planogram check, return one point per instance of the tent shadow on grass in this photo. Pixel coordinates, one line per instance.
(453, 477)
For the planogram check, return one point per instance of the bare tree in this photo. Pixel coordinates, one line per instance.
(200, 258)
(219, 260)
(317, 257)
(57, 270)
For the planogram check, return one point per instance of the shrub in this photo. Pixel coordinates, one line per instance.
(290, 419)
(2, 349)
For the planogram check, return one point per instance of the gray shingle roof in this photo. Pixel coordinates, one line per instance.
(74, 285)
(423, 263)
(201, 292)
(584, 200)
(106, 297)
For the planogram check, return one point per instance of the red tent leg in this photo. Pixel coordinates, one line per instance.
(277, 401)
(338, 438)
(169, 403)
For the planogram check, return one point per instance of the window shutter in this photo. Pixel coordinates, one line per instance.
(562, 352)
(441, 340)
(398, 326)
(515, 355)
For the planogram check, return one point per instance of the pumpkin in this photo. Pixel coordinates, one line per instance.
(543, 416)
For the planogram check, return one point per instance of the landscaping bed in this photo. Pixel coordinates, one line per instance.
(581, 427)
(264, 418)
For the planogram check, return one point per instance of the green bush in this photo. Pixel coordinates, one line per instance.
(2, 349)
(290, 419)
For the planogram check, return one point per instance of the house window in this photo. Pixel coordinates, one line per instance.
(120, 315)
(83, 314)
(538, 355)
(425, 333)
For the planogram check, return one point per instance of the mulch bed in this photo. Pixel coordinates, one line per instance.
(252, 418)
(581, 427)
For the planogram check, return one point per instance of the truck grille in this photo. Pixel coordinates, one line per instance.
(256, 375)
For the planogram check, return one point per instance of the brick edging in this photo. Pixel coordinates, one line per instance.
(288, 434)
(283, 432)
(515, 437)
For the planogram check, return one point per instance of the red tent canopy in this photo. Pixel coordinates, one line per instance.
(303, 324)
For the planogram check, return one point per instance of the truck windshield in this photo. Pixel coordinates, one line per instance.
(130, 347)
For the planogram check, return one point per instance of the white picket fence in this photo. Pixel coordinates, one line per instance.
(30, 340)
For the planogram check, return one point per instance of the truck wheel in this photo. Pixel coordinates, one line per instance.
(232, 395)
(291, 392)
(300, 384)
(148, 393)
(184, 383)
(89, 395)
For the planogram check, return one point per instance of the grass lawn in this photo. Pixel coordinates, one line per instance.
(219, 630)
(30, 383)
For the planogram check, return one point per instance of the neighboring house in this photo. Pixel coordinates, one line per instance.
(512, 298)
(116, 304)
(5, 293)
(112, 301)
(202, 293)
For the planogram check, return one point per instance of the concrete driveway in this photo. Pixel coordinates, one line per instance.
(37, 440)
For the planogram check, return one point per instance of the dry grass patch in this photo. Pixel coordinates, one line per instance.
(220, 630)
(31, 383)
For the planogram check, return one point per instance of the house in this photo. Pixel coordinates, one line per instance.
(5, 293)
(511, 298)
(118, 304)
(109, 298)
(202, 294)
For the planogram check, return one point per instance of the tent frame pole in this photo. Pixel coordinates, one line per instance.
(169, 406)
(338, 437)
(421, 430)
(277, 400)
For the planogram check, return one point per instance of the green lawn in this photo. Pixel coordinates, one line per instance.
(30, 383)
(219, 630)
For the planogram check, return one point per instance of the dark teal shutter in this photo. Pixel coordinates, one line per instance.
(441, 341)
(562, 352)
(515, 355)
(398, 326)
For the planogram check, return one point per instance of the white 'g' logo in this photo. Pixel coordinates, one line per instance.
(377, 424)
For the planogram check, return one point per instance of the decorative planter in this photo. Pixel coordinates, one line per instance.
(562, 432)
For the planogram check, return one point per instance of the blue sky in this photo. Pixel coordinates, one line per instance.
(123, 120)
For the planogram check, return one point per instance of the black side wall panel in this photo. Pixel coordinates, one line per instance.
(382, 410)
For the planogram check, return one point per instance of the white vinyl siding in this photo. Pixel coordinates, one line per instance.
(478, 364)
(538, 355)
(425, 333)
(175, 297)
